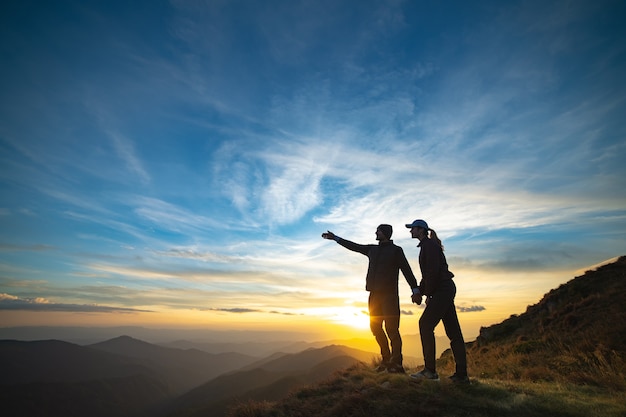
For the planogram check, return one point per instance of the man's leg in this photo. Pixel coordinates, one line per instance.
(392, 326)
(391, 311)
(376, 326)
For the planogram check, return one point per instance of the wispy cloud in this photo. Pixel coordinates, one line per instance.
(26, 248)
(9, 302)
(470, 309)
(126, 151)
(234, 310)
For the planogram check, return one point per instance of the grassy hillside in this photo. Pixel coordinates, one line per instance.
(564, 356)
(576, 333)
(360, 392)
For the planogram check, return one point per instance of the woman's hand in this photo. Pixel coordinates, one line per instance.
(417, 299)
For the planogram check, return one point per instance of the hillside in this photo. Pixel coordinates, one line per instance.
(360, 392)
(565, 356)
(576, 333)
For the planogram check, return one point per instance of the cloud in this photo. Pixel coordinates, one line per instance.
(284, 313)
(172, 217)
(126, 151)
(194, 253)
(234, 310)
(7, 297)
(26, 248)
(470, 309)
(10, 302)
(273, 184)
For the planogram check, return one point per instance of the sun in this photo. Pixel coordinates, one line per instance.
(351, 316)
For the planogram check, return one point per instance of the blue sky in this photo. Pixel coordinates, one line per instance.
(176, 162)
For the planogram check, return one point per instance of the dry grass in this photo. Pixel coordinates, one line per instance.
(575, 334)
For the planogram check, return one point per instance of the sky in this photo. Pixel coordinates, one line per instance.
(174, 163)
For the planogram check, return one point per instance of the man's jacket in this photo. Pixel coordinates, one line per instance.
(385, 261)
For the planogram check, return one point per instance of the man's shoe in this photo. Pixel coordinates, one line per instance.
(381, 368)
(460, 379)
(395, 369)
(426, 374)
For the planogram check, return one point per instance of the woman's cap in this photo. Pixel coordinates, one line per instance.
(418, 223)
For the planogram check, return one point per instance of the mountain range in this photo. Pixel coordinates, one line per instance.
(126, 377)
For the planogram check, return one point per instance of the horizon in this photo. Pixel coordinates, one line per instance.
(173, 164)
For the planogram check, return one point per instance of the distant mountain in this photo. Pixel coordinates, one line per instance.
(412, 346)
(306, 359)
(120, 377)
(259, 349)
(126, 377)
(268, 380)
(53, 378)
(273, 340)
(576, 333)
(52, 361)
(183, 369)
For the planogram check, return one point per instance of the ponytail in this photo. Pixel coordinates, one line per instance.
(433, 236)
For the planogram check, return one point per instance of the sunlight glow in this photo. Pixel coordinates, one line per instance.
(354, 317)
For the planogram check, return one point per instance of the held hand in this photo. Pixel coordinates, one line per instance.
(328, 235)
(417, 299)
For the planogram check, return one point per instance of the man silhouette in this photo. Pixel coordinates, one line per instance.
(385, 261)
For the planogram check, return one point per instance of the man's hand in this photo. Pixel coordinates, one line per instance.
(328, 235)
(417, 299)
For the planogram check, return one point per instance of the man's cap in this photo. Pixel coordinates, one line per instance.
(418, 223)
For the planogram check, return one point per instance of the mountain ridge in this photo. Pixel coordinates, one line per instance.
(270, 380)
(52, 361)
(184, 369)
